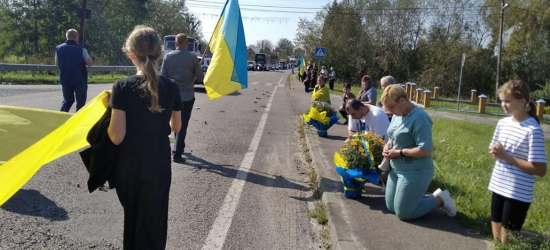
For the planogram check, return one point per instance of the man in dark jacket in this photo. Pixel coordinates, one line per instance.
(72, 59)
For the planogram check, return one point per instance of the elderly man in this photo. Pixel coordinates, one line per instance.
(184, 68)
(366, 118)
(72, 59)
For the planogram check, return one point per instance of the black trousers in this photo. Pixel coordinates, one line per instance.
(331, 84)
(143, 175)
(185, 116)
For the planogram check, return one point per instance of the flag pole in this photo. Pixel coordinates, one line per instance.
(208, 45)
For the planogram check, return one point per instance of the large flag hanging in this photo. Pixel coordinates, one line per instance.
(302, 65)
(31, 138)
(227, 71)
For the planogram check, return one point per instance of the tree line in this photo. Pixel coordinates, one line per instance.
(31, 29)
(423, 42)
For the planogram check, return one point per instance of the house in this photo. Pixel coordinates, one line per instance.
(252, 51)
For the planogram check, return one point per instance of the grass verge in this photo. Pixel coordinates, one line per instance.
(464, 166)
(318, 212)
(45, 78)
(522, 243)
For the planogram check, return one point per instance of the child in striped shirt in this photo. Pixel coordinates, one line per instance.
(518, 149)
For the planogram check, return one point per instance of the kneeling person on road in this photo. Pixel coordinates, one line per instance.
(366, 118)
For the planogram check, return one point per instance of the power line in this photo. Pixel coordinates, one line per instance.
(369, 9)
(342, 12)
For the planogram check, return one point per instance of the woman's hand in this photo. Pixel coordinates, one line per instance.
(391, 153)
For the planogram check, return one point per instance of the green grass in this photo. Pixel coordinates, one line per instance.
(44, 78)
(464, 166)
(521, 243)
(319, 213)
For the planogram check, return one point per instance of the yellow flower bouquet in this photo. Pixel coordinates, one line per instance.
(358, 163)
(363, 151)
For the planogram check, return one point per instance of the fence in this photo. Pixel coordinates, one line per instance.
(476, 104)
(42, 67)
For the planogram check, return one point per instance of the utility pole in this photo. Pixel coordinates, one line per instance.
(82, 23)
(504, 6)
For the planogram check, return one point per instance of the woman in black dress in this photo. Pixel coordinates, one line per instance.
(145, 108)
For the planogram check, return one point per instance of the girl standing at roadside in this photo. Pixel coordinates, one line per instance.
(146, 107)
(518, 148)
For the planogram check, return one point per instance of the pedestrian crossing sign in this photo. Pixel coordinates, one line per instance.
(320, 52)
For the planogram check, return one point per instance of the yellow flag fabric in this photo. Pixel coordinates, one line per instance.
(302, 66)
(322, 95)
(314, 114)
(37, 137)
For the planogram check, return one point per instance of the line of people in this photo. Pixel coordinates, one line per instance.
(517, 147)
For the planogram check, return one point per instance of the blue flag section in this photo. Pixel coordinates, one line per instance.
(228, 71)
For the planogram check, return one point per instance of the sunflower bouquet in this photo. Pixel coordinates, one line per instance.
(321, 116)
(358, 163)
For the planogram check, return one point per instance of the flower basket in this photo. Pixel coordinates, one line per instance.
(322, 117)
(358, 163)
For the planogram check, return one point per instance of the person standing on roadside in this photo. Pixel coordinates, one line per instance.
(72, 59)
(332, 78)
(184, 68)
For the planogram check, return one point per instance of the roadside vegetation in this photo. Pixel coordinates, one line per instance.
(25, 77)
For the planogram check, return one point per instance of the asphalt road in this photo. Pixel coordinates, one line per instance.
(244, 186)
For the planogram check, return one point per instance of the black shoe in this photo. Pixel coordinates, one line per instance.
(179, 159)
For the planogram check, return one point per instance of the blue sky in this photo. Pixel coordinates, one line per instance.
(270, 20)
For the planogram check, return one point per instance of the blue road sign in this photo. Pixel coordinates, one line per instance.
(320, 53)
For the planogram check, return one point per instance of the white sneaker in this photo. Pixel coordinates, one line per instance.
(437, 192)
(448, 203)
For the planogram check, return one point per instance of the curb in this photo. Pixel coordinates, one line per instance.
(342, 238)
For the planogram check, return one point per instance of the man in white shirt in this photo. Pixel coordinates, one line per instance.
(366, 118)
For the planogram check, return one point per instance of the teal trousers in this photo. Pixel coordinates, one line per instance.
(406, 193)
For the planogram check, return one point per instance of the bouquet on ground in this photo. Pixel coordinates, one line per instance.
(322, 116)
(358, 162)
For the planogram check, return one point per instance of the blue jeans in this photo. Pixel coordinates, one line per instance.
(405, 193)
(69, 93)
(185, 116)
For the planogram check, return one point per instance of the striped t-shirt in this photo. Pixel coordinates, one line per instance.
(523, 140)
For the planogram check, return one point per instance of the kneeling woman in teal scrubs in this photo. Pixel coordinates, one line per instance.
(410, 148)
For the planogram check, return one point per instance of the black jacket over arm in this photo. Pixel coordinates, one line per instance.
(99, 159)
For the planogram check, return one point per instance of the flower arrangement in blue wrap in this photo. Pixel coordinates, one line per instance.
(358, 163)
(321, 116)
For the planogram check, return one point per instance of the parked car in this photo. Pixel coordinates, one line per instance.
(251, 65)
(205, 63)
(204, 67)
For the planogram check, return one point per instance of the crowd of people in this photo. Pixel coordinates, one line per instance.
(517, 147)
(147, 107)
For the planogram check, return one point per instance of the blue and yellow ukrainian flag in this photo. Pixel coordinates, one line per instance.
(30, 138)
(302, 65)
(227, 71)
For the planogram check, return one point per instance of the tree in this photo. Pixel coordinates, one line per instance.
(265, 46)
(285, 46)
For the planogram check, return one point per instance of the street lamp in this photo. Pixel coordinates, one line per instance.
(504, 6)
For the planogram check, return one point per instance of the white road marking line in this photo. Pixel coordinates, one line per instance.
(220, 228)
(254, 83)
(268, 84)
(281, 85)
